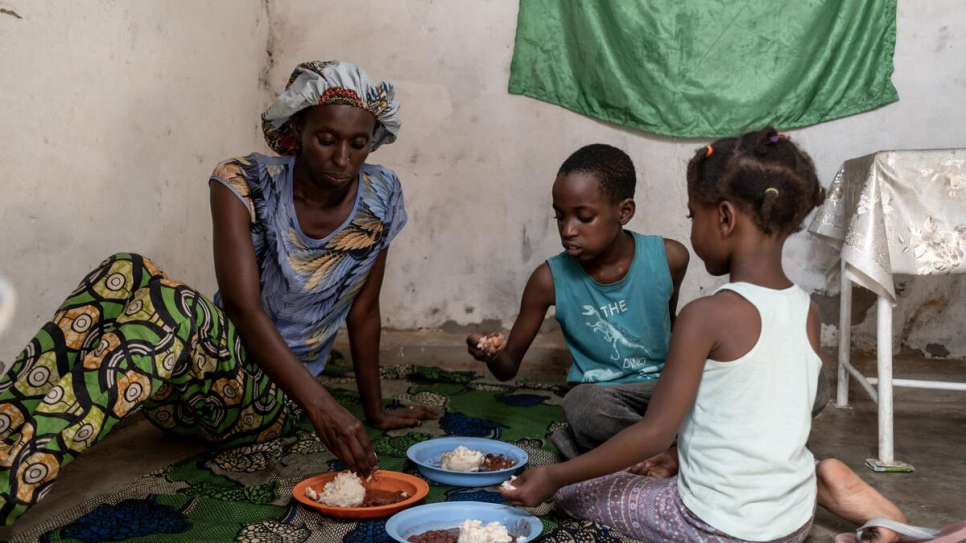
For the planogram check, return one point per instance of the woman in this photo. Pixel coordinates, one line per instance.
(300, 244)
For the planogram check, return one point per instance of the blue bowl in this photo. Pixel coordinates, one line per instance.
(427, 454)
(448, 515)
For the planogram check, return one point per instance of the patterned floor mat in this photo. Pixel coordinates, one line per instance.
(244, 494)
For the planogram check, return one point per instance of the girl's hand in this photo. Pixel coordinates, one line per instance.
(345, 436)
(403, 417)
(532, 488)
(484, 347)
(661, 465)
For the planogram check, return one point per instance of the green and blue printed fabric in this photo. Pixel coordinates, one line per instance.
(244, 494)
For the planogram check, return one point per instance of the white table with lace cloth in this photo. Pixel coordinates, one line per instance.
(888, 213)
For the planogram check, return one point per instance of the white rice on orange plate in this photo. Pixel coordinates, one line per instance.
(345, 490)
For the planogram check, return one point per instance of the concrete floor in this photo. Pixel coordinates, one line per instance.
(929, 428)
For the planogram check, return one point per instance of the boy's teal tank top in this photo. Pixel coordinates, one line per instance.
(617, 333)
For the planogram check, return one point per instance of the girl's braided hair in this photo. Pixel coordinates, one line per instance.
(763, 173)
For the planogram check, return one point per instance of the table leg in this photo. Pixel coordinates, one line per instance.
(886, 461)
(845, 338)
(884, 362)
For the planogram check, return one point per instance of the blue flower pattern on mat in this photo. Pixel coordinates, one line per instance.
(368, 531)
(465, 495)
(521, 400)
(458, 424)
(130, 518)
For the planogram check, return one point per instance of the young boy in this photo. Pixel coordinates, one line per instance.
(616, 294)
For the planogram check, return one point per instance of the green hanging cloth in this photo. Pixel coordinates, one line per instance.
(707, 68)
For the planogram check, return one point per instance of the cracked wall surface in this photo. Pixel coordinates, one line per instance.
(927, 320)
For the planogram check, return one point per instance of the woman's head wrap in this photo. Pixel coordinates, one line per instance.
(330, 82)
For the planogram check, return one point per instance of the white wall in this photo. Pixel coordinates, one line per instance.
(477, 163)
(113, 115)
(93, 168)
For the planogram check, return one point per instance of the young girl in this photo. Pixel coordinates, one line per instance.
(740, 377)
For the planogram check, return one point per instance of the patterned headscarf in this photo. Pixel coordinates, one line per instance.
(324, 83)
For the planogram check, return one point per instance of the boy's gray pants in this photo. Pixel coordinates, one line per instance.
(596, 412)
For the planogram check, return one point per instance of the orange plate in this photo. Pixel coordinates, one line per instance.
(383, 480)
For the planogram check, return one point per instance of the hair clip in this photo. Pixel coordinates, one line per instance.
(776, 137)
(708, 151)
(773, 190)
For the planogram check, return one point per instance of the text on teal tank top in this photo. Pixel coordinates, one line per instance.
(617, 333)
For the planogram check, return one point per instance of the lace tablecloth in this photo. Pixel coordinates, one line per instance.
(897, 212)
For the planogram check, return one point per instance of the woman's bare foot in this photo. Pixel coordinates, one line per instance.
(844, 493)
(661, 465)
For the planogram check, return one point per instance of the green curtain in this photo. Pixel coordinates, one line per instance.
(703, 68)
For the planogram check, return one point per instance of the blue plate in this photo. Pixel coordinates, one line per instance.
(427, 454)
(448, 515)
